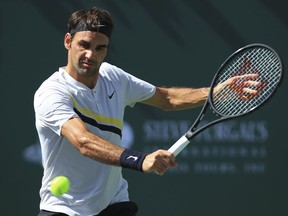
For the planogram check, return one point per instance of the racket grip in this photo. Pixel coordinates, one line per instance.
(178, 146)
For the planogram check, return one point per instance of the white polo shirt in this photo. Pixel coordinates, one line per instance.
(93, 185)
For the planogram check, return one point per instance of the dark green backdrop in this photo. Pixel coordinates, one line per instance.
(236, 168)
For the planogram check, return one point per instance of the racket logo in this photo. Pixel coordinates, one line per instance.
(246, 64)
(246, 82)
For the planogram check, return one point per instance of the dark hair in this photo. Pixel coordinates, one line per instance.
(91, 19)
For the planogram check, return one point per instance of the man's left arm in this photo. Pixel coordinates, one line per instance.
(175, 98)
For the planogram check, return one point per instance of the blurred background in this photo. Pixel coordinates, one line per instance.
(235, 168)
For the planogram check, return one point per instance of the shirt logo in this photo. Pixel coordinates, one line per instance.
(110, 96)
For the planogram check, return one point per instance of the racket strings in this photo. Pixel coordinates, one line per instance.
(262, 61)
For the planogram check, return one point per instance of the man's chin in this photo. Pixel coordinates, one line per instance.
(85, 72)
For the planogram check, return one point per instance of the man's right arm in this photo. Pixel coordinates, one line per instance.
(96, 148)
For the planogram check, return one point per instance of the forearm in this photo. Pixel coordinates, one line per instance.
(186, 98)
(90, 145)
(183, 98)
(99, 149)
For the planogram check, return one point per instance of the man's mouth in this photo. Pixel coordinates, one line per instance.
(86, 64)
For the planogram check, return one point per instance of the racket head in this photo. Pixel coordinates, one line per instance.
(257, 59)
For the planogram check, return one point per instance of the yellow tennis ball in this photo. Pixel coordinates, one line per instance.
(59, 185)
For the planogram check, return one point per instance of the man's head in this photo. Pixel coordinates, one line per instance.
(87, 40)
(92, 19)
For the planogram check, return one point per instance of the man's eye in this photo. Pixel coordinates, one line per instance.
(99, 48)
(85, 45)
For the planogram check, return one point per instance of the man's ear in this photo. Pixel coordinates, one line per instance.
(67, 40)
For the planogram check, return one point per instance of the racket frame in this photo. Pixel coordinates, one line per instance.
(184, 140)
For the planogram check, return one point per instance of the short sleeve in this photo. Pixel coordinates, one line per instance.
(53, 107)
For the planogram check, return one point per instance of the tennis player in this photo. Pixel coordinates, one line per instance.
(79, 114)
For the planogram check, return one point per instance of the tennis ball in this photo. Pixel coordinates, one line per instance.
(59, 185)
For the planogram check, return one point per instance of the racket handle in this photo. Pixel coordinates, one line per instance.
(178, 146)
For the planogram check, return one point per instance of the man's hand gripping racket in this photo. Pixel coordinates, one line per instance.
(243, 83)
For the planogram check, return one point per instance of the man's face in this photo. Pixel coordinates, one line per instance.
(86, 52)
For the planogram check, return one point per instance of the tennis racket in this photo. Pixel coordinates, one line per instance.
(243, 83)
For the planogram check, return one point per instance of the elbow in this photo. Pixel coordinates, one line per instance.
(81, 143)
(168, 108)
(83, 150)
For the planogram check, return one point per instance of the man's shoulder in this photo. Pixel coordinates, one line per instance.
(105, 66)
(110, 71)
(54, 81)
